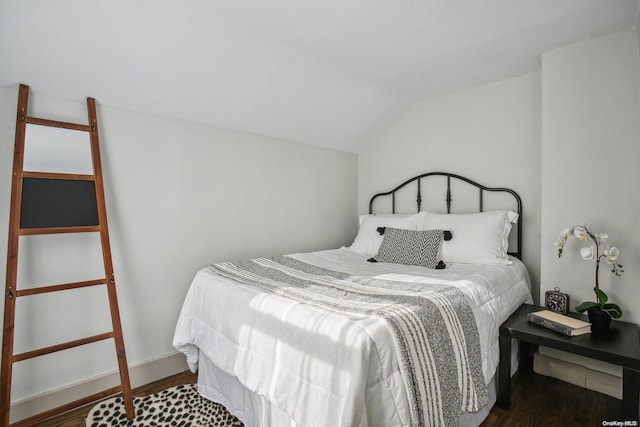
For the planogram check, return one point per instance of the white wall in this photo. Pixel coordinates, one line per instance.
(567, 139)
(180, 196)
(638, 29)
(490, 134)
(590, 154)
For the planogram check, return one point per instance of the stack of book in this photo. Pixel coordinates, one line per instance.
(559, 322)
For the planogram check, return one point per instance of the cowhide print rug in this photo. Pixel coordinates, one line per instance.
(176, 406)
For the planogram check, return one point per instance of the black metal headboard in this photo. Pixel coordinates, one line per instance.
(448, 199)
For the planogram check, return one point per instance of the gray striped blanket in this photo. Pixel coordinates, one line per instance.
(434, 329)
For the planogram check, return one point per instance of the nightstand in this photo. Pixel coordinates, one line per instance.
(620, 347)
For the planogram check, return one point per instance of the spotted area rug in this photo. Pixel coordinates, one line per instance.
(180, 406)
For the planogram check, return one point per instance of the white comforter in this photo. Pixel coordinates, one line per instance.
(321, 368)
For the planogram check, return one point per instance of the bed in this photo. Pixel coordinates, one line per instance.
(398, 329)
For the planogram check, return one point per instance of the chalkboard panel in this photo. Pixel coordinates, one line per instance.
(58, 203)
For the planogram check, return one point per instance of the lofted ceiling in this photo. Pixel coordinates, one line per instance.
(330, 73)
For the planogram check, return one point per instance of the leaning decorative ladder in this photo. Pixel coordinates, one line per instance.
(34, 211)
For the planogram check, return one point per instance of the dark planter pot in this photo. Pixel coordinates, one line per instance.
(600, 320)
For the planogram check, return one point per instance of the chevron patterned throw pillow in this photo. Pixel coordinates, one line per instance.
(410, 247)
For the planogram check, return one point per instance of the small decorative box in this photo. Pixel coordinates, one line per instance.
(557, 301)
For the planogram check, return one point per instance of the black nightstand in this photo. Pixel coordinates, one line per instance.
(620, 347)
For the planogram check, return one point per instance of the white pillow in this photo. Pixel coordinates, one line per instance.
(478, 238)
(368, 240)
(397, 216)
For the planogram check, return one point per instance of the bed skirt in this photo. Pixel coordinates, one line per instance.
(255, 411)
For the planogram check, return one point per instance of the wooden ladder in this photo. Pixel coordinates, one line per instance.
(29, 217)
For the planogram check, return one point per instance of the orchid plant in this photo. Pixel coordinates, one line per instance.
(596, 251)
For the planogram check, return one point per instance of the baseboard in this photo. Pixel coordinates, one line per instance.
(139, 374)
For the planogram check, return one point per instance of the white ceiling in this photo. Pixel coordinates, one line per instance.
(330, 73)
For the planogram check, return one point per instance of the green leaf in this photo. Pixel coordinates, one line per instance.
(586, 306)
(602, 297)
(613, 310)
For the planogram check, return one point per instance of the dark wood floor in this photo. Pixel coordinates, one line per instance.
(536, 401)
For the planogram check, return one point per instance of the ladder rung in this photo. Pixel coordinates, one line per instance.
(66, 407)
(61, 287)
(58, 230)
(62, 176)
(57, 124)
(59, 347)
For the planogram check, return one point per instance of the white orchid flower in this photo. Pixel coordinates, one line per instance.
(588, 253)
(599, 249)
(566, 233)
(580, 233)
(612, 255)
